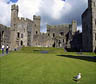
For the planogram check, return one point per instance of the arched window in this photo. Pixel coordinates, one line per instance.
(21, 35)
(48, 34)
(63, 40)
(36, 32)
(62, 33)
(95, 36)
(95, 21)
(3, 34)
(18, 35)
(53, 34)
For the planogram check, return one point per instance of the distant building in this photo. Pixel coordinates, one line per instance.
(89, 27)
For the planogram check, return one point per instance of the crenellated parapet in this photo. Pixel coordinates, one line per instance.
(36, 17)
(14, 7)
(22, 19)
(28, 20)
(60, 25)
(4, 27)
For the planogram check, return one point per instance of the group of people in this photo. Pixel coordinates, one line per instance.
(3, 48)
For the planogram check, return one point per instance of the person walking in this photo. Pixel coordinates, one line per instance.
(3, 49)
(7, 48)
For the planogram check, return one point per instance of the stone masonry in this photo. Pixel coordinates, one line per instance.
(62, 34)
(89, 27)
(4, 35)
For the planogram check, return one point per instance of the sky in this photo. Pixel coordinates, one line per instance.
(52, 12)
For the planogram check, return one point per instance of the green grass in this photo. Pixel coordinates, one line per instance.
(0, 51)
(29, 66)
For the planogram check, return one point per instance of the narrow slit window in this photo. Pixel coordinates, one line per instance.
(18, 34)
(95, 36)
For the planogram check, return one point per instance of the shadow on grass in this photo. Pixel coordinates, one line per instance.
(87, 58)
(41, 51)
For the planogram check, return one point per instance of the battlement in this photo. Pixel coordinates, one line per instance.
(28, 20)
(56, 26)
(22, 19)
(74, 21)
(36, 17)
(3, 26)
(14, 7)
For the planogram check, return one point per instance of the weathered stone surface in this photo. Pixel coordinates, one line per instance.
(89, 27)
(4, 35)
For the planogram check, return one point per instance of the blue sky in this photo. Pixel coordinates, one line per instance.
(14, 1)
(52, 12)
(11, 1)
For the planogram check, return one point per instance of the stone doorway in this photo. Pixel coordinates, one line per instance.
(54, 44)
(21, 43)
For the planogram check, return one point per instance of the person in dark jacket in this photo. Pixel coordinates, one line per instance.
(7, 49)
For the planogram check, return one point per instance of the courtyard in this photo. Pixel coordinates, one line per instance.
(47, 66)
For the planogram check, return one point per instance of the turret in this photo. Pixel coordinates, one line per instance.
(36, 20)
(14, 15)
(91, 4)
(74, 27)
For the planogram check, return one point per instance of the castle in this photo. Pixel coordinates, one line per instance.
(25, 32)
(21, 31)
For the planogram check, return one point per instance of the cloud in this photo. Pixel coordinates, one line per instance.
(58, 8)
(62, 13)
(51, 11)
(4, 12)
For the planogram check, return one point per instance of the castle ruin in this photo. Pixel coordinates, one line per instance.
(26, 32)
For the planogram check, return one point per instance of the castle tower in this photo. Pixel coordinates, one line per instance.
(14, 15)
(36, 20)
(74, 27)
(13, 33)
(93, 20)
(91, 3)
(89, 27)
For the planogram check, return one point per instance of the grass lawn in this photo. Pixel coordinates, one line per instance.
(52, 66)
(0, 51)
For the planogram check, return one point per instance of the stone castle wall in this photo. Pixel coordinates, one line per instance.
(94, 24)
(23, 29)
(62, 34)
(89, 27)
(42, 40)
(4, 35)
